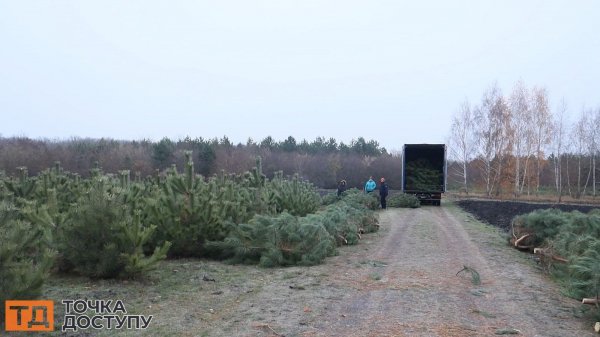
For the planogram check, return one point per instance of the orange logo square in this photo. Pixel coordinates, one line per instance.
(29, 315)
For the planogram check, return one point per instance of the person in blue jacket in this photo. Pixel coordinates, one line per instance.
(370, 186)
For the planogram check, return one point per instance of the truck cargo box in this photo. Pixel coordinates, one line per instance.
(424, 171)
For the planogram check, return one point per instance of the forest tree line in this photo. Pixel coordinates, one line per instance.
(517, 144)
(322, 161)
(513, 144)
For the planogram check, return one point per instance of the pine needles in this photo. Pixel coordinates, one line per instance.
(475, 278)
(573, 237)
(284, 239)
(404, 200)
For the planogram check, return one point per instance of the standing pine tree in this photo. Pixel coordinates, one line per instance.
(25, 258)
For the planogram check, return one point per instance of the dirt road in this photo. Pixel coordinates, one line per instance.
(402, 282)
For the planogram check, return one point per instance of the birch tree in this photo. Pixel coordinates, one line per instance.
(521, 124)
(541, 121)
(462, 141)
(493, 131)
(580, 136)
(595, 141)
(589, 136)
(558, 133)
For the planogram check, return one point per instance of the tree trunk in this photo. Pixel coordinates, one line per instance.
(568, 177)
(517, 176)
(465, 176)
(594, 174)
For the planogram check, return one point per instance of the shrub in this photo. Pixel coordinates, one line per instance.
(404, 200)
(101, 238)
(572, 236)
(585, 271)
(189, 211)
(329, 199)
(542, 224)
(294, 196)
(284, 239)
(280, 240)
(25, 259)
(357, 197)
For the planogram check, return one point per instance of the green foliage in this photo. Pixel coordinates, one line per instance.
(544, 224)
(475, 277)
(574, 236)
(188, 211)
(58, 189)
(358, 197)
(329, 199)
(562, 230)
(102, 239)
(136, 235)
(279, 241)
(25, 258)
(585, 271)
(370, 148)
(110, 226)
(288, 145)
(422, 176)
(284, 239)
(163, 152)
(294, 196)
(345, 221)
(403, 200)
(22, 187)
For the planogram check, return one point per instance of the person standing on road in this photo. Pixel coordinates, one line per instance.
(370, 186)
(383, 193)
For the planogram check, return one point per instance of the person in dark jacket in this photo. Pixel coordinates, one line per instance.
(341, 187)
(383, 193)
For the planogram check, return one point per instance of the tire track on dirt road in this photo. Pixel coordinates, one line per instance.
(408, 285)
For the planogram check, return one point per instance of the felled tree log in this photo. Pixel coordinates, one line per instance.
(543, 252)
(517, 242)
(592, 301)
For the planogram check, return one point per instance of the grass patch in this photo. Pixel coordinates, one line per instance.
(484, 313)
(375, 276)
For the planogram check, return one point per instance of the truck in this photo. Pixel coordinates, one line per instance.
(424, 172)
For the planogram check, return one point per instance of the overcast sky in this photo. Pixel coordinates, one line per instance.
(394, 71)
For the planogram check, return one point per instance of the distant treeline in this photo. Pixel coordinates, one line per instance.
(322, 161)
